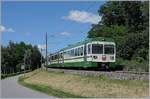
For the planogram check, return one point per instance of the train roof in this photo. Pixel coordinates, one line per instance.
(87, 41)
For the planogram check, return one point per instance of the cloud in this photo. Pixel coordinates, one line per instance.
(4, 29)
(42, 46)
(65, 33)
(83, 17)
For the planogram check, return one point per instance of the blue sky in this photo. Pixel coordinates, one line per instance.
(65, 22)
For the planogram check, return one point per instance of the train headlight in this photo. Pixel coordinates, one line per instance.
(95, 57)
(104, 57)
(112, 57)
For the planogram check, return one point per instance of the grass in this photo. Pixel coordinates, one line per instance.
(46, 89)
(72, 85)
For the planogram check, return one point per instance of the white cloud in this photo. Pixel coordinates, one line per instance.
(10, 30)
(4, 29)
(42, 46)
(83, 17)
(65, 33)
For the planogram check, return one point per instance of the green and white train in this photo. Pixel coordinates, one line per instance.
(92, 53)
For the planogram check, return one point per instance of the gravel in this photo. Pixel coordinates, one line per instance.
(121, 75)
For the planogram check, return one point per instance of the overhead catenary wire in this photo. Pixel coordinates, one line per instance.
(87, 9)
(63, 25)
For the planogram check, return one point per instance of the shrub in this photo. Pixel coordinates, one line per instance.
(137, 64)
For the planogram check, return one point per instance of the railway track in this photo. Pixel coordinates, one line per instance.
(121, 75)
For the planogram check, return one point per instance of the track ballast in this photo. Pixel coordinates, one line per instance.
(121, 75)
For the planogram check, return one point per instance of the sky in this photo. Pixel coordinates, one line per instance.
(65, 22)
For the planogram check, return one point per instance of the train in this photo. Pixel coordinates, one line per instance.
(99, 52)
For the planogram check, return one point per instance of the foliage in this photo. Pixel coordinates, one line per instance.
(127, 23)
(16, 54)
(135, 65)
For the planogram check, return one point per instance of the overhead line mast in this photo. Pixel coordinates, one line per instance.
(46, 37)
(46, 52)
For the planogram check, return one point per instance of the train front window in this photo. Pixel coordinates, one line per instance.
(97, 49)
(109, 49)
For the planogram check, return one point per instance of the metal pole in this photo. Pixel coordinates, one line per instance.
(46, 52)
(41, 57)
(24, 62)
(30, 61)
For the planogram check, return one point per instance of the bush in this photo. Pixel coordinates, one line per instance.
(138, 59)
(134, 65)
(13, 74)
(137, 64)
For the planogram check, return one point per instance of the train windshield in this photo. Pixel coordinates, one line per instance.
(97, 49)
(109, 49)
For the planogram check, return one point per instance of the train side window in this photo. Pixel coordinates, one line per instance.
(55, 57)
(81, 51)
(85, 50)
(65, 54)
(76, 52)
(61, 55)
(69, 53)
(52, 57)
(72, 52)
(89, 49)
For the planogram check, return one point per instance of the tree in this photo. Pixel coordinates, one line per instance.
(127, 23)
(13, 57)
(36, 55)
